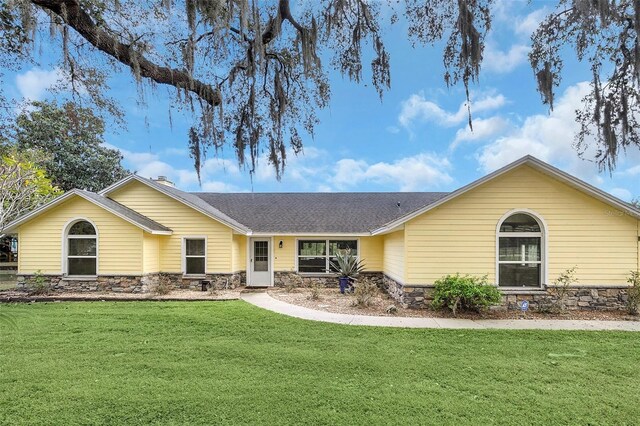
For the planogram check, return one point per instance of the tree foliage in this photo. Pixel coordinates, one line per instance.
(72, 137)
(605, 34)
(254, 73)
(23, 184)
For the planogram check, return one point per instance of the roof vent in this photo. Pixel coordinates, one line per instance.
(162, 180)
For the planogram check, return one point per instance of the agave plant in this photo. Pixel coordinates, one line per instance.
(347, 265)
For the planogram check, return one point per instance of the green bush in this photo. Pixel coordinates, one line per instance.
(39, 285)
(467, 293)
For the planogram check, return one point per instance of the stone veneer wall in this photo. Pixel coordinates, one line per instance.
(285, 278)
(117, 284)
(415, 297)
(577, 298)
(134, 284)
(218, 281)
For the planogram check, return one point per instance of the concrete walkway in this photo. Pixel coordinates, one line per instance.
(263, 300)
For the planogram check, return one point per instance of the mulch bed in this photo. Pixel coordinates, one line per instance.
(331, 300)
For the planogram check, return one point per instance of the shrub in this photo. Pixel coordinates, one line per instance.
(365, 291)
(562, 283)
(39, 284)
(290, 286)
(465, 292)
(163, 286)
(315, 292)
(633, 294)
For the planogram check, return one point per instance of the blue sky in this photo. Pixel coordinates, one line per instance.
(416, 139)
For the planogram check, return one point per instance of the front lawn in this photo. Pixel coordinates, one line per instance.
(229, 362)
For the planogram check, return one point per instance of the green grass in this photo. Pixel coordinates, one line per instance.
(231, 363)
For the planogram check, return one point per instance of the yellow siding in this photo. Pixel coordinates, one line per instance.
(239, 252)
(151, 254)
(184, 221)
(371, 253)
(41, 240)
(460, 236)
(394, 256)
(285, 257)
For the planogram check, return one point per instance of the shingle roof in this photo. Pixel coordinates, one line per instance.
(131, 215)
(353, 212)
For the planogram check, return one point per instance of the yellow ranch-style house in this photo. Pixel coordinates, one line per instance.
(522, 226)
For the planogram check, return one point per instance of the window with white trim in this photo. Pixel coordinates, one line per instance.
(316, 256)
(82, 249)
(520, 252)
(194, 256)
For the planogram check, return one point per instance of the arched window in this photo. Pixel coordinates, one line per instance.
(82, 249)
(520, 251)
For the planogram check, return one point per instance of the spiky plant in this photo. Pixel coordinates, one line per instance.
(347, 265)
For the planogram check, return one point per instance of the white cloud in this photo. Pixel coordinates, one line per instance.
(215, 165)
(417, 173)
(621, 193)
(482, 129)
(33, 84)
(139, 158)
(218, 186)
(525, 26)
(418, 108)
(498, 61)
(502, 10)
(313, 171)
(297, 167)
(150, 165)
(547, 137)
(485, 104)
(631, 171)
(501, 61)
(310, 171)
(349, 172)
(153, 169)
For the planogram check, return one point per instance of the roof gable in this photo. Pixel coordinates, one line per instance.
(534, 163)
(183, 197)
(111, 206)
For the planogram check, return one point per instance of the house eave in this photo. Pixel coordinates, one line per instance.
(310, 234)
(526, 160)
(161, 232)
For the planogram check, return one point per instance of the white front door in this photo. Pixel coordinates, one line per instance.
(260, 262)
